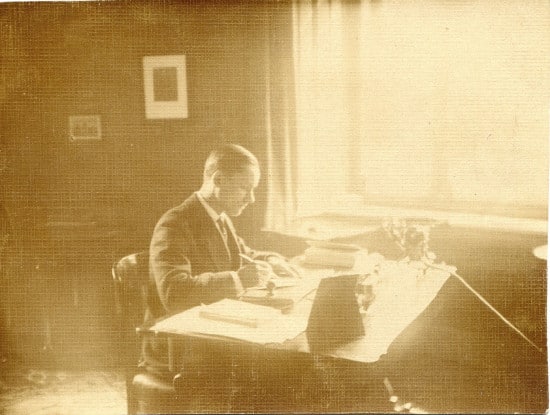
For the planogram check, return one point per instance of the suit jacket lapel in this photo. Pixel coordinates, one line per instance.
(209, 237)
(233, 245)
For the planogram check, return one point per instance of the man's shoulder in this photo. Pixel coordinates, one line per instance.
(184, 212)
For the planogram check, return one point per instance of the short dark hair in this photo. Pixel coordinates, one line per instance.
(229, 159)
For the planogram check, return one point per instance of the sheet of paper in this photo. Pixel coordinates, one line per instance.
(400, 298)
(272, 325)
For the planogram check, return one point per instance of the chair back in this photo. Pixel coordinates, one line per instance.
(131, 278)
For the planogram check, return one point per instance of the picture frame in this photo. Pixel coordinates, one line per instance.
(84, 127)
(165, 86)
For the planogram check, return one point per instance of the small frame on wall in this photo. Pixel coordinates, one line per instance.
(84, 127)
(165, 86)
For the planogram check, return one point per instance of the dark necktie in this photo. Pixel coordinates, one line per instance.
(223, 229)
(229, 242)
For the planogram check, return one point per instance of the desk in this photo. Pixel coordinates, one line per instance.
(402, 292)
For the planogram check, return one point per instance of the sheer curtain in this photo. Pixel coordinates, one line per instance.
(310, 101)
(329, 106)
(280, 121)
(425, 105)
(420, 105)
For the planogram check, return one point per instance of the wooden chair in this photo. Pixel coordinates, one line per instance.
(143, 389)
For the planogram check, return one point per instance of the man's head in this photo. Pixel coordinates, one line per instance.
(231, 174)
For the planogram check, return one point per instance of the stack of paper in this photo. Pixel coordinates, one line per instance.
(226, 311)
(235, 319)
(331, 254)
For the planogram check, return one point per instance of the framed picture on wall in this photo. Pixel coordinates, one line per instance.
(165, 86)
(84, 127)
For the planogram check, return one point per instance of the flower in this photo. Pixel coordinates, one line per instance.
(411, 238)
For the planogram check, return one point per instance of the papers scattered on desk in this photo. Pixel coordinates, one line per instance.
(401, 295)
(235, 319)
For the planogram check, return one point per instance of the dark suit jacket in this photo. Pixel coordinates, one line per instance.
(189, 265)
(188, 261)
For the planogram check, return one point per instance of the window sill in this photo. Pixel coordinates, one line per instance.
(347, 222)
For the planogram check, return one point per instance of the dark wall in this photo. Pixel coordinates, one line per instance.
(63, 59)
(86, 59)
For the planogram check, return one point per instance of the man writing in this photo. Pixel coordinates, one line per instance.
(196, 255)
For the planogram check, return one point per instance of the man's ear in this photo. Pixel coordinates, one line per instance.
(217, 178)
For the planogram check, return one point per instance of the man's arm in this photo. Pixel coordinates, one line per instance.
(170, 252)
(278, 262)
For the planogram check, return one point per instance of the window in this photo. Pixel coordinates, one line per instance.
(422, 105)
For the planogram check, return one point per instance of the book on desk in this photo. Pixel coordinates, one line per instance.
(331, 254)
(271, 295)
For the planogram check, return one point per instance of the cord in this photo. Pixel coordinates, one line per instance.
(484, 301)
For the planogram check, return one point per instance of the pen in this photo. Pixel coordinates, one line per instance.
(252, 261)
(270, 285)
(247, 258)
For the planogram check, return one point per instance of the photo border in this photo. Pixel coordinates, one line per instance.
(165, 109)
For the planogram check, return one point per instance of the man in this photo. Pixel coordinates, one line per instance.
(196, 255)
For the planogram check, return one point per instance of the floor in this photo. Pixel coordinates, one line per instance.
(26, 390)
(30, 391)
(455, 358)
(415, 388)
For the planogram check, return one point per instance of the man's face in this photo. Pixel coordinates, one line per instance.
(236, 192)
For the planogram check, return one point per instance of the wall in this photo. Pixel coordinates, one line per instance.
(86, 59)
(71, 59)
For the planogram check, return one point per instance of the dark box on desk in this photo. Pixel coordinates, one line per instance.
(335, 318)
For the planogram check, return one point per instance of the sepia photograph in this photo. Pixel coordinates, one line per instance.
(279, 206)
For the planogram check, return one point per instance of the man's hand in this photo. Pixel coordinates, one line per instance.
(283, 268)
(256, 273)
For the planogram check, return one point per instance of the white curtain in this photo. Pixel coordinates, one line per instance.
(279, 117)
(327, 88)
(421, 104)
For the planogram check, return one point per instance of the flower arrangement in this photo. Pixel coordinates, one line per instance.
(411, 238)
